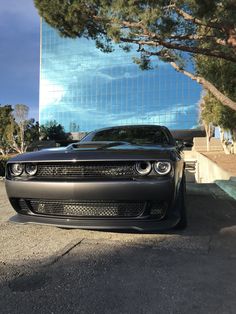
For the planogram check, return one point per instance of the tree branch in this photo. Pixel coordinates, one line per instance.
(208, 86)
(159, 42)
(219, 41)
(227, 29)
(196, 21)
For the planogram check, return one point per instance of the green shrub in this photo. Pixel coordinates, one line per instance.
(3, 161)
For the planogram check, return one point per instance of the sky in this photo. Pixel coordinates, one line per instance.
(19, 54)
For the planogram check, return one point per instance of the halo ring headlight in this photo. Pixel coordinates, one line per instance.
(143, 167)
(16, 169)
(162, 167)
(31, 169)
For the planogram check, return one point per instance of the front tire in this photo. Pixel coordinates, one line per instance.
(181, 206)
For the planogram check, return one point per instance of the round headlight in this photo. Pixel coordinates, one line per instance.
(143, 167)
(16, 169)
(31, 169)
(162, 167)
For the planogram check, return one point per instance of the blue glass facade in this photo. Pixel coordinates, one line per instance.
(83, 88)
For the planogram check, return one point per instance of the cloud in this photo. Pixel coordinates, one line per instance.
(177, 114)
(48, 96)
(80, 58)
(103, 66)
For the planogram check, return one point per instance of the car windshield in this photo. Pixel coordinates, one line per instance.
(134, 135)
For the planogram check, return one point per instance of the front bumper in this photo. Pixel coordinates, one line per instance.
(92, 190)
(162, 190)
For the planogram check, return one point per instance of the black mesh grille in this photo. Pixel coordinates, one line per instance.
(87, 208)
(87, 169)
(23, 205)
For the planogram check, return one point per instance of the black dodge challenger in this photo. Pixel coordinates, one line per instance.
(126, 177)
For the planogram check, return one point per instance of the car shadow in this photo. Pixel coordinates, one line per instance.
(210, 210)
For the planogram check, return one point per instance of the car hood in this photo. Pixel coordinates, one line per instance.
(98, 151)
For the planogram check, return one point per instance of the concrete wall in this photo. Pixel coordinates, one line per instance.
(207, 171)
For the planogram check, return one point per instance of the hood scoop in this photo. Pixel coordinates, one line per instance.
(94, 145)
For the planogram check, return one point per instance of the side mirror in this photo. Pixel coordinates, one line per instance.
(180, 144)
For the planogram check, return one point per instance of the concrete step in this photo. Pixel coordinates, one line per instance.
(200, 144)
(190, 169)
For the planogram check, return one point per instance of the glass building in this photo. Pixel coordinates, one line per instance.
(84, 89)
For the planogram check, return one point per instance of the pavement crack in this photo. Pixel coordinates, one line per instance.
(69, 248)
(209, 245)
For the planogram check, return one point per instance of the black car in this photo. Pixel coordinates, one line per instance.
(126, 177)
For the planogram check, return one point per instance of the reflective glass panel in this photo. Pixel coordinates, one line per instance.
(84, 89)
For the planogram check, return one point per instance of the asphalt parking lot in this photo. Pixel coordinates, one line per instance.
(50, 270)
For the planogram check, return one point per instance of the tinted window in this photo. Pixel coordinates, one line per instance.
(134, 135)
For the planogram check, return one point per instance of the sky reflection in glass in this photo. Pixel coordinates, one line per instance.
(82, 86)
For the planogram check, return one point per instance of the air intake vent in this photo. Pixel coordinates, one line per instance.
(87, 208)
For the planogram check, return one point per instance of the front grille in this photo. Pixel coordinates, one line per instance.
(86, 208)
(87, 169)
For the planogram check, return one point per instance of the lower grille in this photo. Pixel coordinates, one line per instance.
(86, 208)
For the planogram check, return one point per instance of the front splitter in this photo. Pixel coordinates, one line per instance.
(143, 225)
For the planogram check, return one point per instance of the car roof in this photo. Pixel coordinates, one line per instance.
(130, 126)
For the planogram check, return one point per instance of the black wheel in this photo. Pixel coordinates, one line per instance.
(181, 205)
